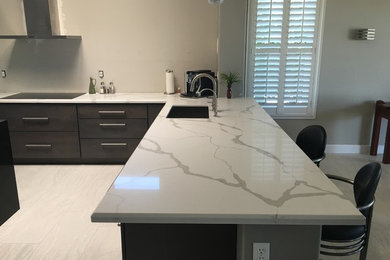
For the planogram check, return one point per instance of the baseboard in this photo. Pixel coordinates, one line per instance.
(346, 148)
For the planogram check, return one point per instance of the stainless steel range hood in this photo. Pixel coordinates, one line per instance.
(42, 21)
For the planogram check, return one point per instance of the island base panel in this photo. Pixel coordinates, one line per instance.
(178, 241)
(286, 241)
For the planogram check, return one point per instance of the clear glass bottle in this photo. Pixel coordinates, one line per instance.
(103, 89)
(111, 88)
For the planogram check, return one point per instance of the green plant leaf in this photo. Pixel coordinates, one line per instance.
(230, 78)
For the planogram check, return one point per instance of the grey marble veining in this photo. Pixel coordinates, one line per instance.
(239, 167)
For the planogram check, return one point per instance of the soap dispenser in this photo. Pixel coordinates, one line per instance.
(111, 88)
(103, 89)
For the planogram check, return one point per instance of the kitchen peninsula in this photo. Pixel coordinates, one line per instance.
(210, 188)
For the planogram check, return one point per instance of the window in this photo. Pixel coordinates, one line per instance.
(283, 55)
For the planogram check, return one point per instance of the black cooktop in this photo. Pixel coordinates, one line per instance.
(29, 95)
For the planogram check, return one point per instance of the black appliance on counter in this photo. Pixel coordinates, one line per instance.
(202, 83)
(9, 201)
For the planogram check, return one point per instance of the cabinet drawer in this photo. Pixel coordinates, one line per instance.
(108, 148)
(112, 111)
(45, 144)
(112, 128)
(39, 117)
(153, 111)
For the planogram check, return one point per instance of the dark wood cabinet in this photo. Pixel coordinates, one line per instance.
(112, 150)
(179, 241)
(153, 111)
(42, 133)
(113, 128)
(45, 145)
(9, 201)
(110, 133)
(40, 117)
(112, 111)
(77, 133)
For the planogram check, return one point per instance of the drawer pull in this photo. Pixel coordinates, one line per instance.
(113, 144)
(48, 146)
(36, 119)
(113, 125)
(115, 112)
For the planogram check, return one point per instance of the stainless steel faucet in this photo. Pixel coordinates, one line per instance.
(214, 90)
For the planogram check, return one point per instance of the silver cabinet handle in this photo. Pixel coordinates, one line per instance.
(35, 118)
(38, 145)
(116, 112)
(112, 125)
(113, 144)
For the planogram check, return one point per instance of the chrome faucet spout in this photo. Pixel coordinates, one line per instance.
(214, 90)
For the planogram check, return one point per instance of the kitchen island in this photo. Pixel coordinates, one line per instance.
(210, 188)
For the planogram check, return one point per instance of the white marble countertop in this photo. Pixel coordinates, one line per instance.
(238, 168)
(97, 98)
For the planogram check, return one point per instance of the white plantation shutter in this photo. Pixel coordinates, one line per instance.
(282, 57)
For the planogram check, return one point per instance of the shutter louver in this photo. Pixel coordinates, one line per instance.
(269, 26)
(283, 58)
(299, 60)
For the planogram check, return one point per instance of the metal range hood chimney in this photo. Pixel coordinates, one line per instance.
(42, 19)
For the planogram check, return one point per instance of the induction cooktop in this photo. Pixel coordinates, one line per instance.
(30, 95)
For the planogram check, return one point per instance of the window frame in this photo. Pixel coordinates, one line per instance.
(279, 112)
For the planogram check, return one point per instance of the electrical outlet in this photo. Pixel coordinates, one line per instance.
(261, 251)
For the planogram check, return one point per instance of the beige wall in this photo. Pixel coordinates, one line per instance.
(132, 41)
(232, 37)
(353, 73)
(135, 41)
(12, 17)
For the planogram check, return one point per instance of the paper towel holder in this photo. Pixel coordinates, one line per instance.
(169, 82)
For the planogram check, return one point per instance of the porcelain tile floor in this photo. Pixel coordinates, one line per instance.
(54, 219)
(57, 201)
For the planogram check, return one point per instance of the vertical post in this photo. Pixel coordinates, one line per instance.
(376, 128)
(386, 152)
(123, 240)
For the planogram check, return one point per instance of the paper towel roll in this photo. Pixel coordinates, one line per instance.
(169, 84)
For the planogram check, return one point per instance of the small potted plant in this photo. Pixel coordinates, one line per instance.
(230, 78)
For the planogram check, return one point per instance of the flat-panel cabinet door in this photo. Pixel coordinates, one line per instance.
(113, 128)
(45, 144)
(40, 117)
(112, 111)
(108, 148)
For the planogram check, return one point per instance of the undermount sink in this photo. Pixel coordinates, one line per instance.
(189, 112)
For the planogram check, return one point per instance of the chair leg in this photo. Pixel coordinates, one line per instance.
(363, 253)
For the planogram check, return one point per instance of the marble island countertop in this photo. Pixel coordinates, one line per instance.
(238, 168)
